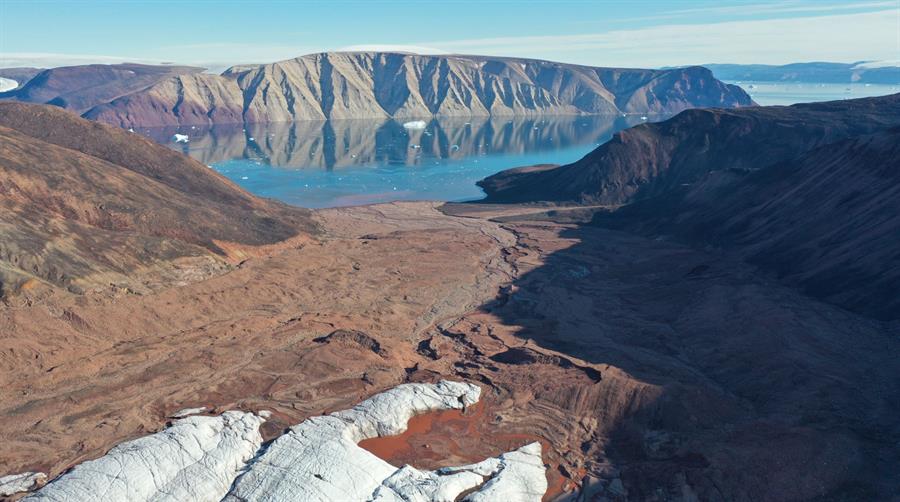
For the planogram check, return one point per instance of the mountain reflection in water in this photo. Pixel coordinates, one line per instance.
(349, 162)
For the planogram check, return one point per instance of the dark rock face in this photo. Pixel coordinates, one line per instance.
(379, 85)
(83, 202)
(807, 192)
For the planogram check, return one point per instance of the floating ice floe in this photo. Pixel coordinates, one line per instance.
(17, 483)
(415, 124)
(206, 458)
(180, 138)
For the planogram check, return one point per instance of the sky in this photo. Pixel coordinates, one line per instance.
(637, 33)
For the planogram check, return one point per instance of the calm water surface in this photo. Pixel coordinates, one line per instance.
(352, 162)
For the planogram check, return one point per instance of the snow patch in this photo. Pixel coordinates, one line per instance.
(17, 483)
(7, 84)
(188, 412)
(868, 65)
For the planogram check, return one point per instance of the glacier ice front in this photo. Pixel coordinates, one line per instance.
(202, 458)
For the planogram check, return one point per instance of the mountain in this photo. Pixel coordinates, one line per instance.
(650, 159)
(80, 88)
(373, 85)
(85, 205)
(807, 192)
(831, 73)
(18, 75)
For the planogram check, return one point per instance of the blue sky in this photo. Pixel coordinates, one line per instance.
(648, 33)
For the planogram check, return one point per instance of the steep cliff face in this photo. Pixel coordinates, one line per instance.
(381, 85)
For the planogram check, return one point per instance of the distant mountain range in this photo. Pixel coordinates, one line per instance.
(809, 192)
(370, 85)
(824, 73)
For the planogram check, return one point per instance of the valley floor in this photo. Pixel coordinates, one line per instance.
(648, 370)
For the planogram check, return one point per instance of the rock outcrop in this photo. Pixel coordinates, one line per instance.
(374, 85)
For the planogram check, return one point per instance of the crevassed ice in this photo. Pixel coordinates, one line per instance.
(197, 458)
(219, 458)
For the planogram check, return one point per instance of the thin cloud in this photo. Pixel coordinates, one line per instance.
(843, 37)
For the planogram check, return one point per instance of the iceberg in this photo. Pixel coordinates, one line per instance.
(415, 124)
(180, 138)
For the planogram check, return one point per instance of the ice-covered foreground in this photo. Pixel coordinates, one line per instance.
(203, 458)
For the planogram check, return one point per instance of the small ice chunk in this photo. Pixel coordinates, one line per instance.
(180, 138)
(415, 124)
(17, 483)
(245, 178)
(188, 412)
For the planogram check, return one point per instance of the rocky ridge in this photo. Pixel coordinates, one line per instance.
(376, 85)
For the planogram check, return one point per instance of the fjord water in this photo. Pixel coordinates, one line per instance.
(352, 162)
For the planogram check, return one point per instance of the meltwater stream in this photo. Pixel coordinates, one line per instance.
(354, 162)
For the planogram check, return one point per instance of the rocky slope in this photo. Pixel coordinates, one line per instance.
(826, 221)
(87, 205)
(804, 191)
(80, 88)
(380, 85)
